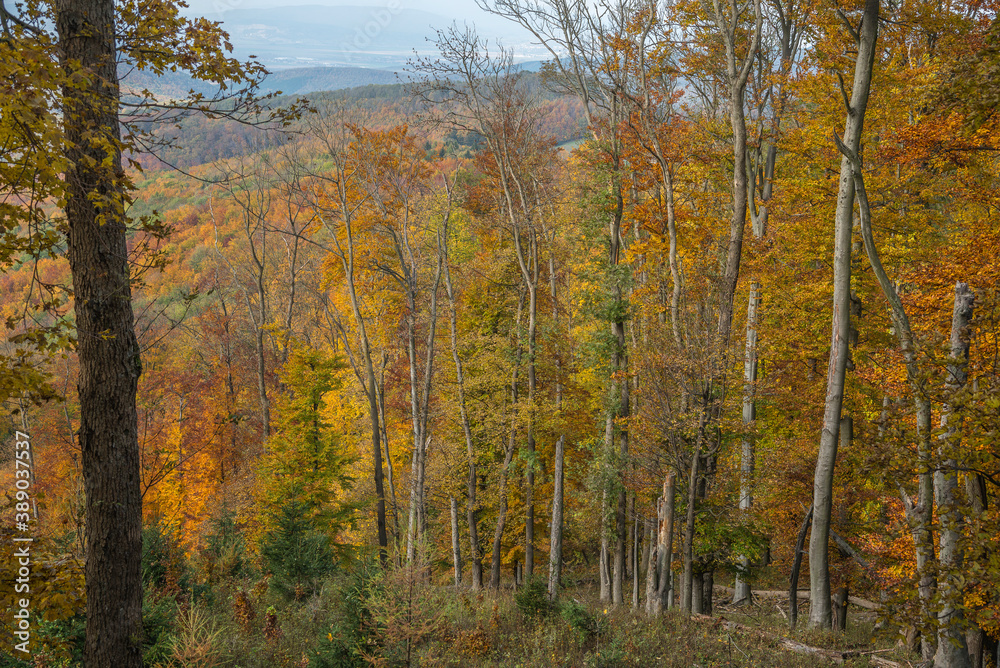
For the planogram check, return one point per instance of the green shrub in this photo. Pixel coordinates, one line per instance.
(297, 555)
(354, 633)
(225, 554)
(163, 565)
(533, 598)
(158, 614)
(581, 620)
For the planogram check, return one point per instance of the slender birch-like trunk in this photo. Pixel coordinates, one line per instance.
(555, 541)
(508, 455)
(952, 649)
(665, 547)
(820, 613)
(472, 508)
(456, 546)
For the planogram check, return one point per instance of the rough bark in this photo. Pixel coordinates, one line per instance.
(108, 352)
(819, 574)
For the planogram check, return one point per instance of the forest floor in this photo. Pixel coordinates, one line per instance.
(398, 621)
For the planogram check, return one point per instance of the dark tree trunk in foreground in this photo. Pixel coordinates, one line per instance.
(108, 351)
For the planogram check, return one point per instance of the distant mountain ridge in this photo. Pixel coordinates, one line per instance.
(295, 81)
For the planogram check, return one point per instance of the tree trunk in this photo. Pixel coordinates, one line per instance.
(975, 491)
(666, 541)
(456, 546)
(555, 541)
(707, 591)
(635, 559)
(687, 584)
(389, 469)
(737, 75)
(109, 356)
(604, 561)
(650, 559)
(501, 520)
(508, 455)
(621, 515)
(819, 574)
(952, 650)
(742, 589)
(840, 610)
(697, 592)
(793, 580)
(472, 509)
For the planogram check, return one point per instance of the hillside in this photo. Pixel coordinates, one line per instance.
(201, 140)
(293, 81)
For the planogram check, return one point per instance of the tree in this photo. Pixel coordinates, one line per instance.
(73, 74)
(865, 35)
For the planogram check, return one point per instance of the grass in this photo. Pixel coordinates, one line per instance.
(399, 620)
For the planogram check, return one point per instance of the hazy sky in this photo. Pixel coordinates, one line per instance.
(456, 9)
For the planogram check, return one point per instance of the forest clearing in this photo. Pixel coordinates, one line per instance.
(681, 350)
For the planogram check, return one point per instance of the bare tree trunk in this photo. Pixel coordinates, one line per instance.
(819, 573)
(737, 72)
(555, 542)
(390, 470)
(687, 584)
(529, 492)
(952, 650)
(604, 561)
(650, 560)
(697, 592)
(742, 589)
(501, 520)
(707, 591)
(793, 580)
(634, 559)
(666, 542)
(975, 491)
(508, 456)
(456, 546)
(840, 610)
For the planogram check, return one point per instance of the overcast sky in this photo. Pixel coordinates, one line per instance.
(456, 9)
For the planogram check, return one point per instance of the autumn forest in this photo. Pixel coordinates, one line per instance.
(683, 349)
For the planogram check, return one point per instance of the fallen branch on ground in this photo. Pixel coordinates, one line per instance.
(802, 594)
(833, 655)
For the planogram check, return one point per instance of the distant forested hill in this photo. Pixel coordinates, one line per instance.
(296, 81)
(200, 140)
